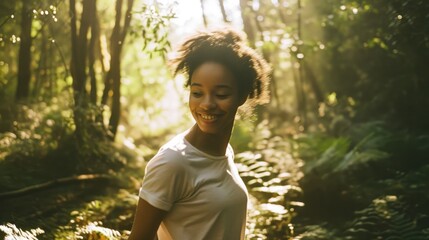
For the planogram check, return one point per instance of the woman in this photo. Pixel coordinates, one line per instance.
(191, 189)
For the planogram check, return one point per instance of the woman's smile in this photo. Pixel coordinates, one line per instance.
(208, 117)
(213, 100)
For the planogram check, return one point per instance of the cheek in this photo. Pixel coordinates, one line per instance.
(192, 104)
(230, 106)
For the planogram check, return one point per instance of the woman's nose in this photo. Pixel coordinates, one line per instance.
(208, 103)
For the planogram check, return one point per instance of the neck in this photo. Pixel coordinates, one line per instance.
(213, 144)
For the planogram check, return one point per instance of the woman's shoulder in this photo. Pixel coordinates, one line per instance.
(171, 153)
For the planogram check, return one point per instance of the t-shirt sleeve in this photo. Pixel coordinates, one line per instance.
(163, 183)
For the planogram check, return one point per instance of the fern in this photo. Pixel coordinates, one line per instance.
(360, 155)
(13, 232)
(327, 156)
(385, 218)
(268, 173)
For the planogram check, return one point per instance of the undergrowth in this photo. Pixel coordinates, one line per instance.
(369, 182)
(271, 176)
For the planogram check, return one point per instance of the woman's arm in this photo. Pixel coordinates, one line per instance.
(146, 221)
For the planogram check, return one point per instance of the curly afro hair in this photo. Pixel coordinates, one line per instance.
(227, 47)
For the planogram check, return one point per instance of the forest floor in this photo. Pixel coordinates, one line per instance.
(291, 198)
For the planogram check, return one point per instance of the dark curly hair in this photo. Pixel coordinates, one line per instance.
(227, 47)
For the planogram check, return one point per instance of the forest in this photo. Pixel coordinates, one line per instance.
(339, 152)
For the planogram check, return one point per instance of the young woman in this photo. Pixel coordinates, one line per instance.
(191, 189)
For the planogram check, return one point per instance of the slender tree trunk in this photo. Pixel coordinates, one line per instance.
(40, 73)
(309, 74)
(82, 50)
(247, 14)
(280, 12)
(24, 64)
(78, 62)
(117, 41)
(203, 13)
(302, 105)
(222, 9)
(52, 71)
(107, 87)
(114, 71)
(74, 57)
(95, 37)
(247, 22)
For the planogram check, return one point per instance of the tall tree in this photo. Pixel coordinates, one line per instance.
(24, 64)
(222, 9)
(301, 96)
(247, 21)
(117, 40)
(93, 47)
(79, 40)
(203, 13)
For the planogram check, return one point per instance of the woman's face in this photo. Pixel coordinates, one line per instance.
(214, 98)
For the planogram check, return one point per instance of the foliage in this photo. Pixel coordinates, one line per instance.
(10, 231)
(42, 139)
(153, 104)
(363, 172)
(84, 224)
(272, 183)
(82, 211)
(372, 53)
(329, 155)
(317, 232)
(386, 217)
(48, 61)
(153, 26)
(37, 129)
(368, 161)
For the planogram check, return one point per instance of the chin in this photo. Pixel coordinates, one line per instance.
(209, 130)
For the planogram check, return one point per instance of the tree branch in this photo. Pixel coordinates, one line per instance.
(56, 182)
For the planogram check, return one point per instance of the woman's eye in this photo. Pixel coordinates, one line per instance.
(222, 96)
(197, 94)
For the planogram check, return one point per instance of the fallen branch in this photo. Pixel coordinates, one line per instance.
(56, 182)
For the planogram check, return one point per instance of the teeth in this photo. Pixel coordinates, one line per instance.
(208, 117)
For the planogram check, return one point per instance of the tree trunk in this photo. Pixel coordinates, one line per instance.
(41, 69)
(302, 105)
(107, 87)
(309, 74)
(203, 13)
(78, 62)
(222, 9)
(117, 41)
(24, 62)
(81, 53)
(53, 183)
(95, 38)
(247, 24)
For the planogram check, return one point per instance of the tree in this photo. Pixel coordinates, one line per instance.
(375, 57)
(203, 13)
(24, 64)
(222, 9)
(79, 40)
(113, 77)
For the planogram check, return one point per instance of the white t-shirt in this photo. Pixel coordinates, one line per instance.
(203, 194)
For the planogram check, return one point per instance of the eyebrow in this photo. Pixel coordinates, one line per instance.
(217, 86)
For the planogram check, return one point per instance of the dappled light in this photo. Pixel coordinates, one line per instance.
(88, 95)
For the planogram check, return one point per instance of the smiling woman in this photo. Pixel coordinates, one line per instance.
(191, 188)
(214, 98)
